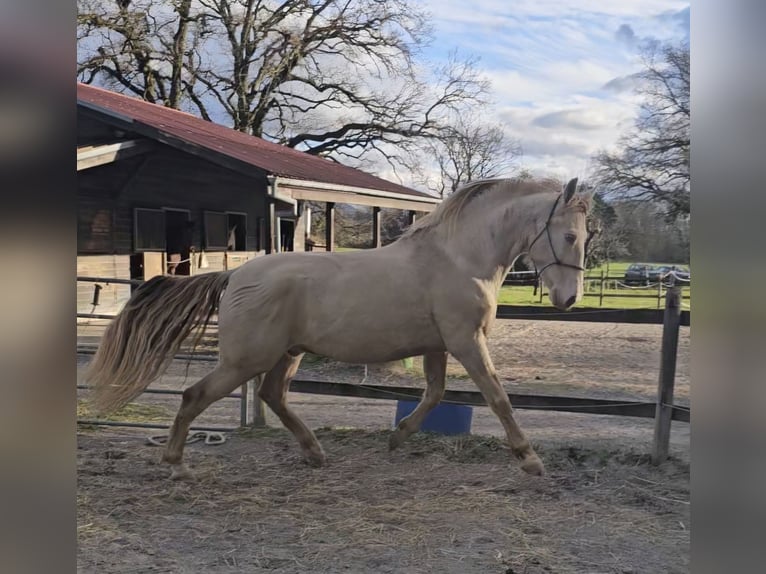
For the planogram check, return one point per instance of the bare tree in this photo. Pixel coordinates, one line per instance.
(143, 48)
(606, 240)
(469, 150)
(653, 161)
(339, 78)
(649, 237)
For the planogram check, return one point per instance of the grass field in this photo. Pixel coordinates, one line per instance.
(641, 298)
(525, 296)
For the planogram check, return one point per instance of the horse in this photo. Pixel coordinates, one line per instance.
(431, 292)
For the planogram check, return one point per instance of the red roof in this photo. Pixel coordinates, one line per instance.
(273, 158)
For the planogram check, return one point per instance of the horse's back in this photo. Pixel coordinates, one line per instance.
(364, 306)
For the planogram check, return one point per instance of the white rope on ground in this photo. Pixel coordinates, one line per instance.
(211, 438)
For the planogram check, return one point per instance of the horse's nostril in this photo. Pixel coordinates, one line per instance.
(571, 301)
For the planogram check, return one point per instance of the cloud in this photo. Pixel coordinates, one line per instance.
(621, 84)
(563, 73)
(554, 148)
(680, 20)
(626, 35)
(570, 119)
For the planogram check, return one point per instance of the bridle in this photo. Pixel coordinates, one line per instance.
(547, 231)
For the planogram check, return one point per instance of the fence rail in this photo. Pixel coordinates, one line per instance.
(654, 288)
(626, 408)
(531, 312)
(662, 410)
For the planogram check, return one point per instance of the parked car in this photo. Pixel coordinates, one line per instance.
(646, 274)
(674, 275)
(640, 274)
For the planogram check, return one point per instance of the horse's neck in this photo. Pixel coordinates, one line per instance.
(497, 236)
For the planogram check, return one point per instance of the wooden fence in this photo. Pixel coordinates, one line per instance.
(603, 286)
(662, 410)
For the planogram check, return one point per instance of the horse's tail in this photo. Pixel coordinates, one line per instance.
(139, 344)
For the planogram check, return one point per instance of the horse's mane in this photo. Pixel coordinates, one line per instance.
(448, 211)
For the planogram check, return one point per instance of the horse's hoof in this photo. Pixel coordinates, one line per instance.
(315, 459)
(181, 472)
(395, 440)
(533, 465)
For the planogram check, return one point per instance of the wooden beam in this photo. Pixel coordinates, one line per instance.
(642, 316)
(357, 199)
(92, 156)
(474, 398)
(376, 227)
(329, 226)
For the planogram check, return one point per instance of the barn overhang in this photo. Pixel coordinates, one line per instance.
(94, 155)
(303, 190)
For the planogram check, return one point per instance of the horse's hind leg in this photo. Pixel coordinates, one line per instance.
(435, 367)
(273, 391)
(212, 387)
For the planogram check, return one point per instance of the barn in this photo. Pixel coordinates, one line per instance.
(160, 191)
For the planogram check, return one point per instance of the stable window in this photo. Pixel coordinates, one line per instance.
(216, 229)
(225, 231)
(149, 229)
(237, 238)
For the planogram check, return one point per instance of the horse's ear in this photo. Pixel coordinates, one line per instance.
(570, 190)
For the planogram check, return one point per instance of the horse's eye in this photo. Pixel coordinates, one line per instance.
(570, 238)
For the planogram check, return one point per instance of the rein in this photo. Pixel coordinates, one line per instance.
(547, 231)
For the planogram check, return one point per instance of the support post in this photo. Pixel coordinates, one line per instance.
(252, 412)
(272, 225)
(376, 242)
(411, 217)
(329, 226)
(664, 410)
(246, 392)
(601, 293)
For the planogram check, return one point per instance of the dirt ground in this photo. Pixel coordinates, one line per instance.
(439, 504)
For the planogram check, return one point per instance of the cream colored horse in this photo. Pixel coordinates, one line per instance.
(432, 292)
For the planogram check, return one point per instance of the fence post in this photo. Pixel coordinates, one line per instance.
(664, 411)
(540, 281)
(601, 294)
(659, 291)
(251, 407)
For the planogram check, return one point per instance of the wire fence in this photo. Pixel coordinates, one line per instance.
(647, 288)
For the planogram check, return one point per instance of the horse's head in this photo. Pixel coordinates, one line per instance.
(558, 249)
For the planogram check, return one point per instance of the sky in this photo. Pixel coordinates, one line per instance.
(560, 70)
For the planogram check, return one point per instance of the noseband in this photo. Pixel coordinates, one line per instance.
(547, 231)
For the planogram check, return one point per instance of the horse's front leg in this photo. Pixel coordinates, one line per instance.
(473, 354)
(435, 367)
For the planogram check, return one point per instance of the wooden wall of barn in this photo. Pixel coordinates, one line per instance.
(112, 298)
(165, 178)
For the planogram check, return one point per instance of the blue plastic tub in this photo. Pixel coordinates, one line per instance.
(445, 418)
